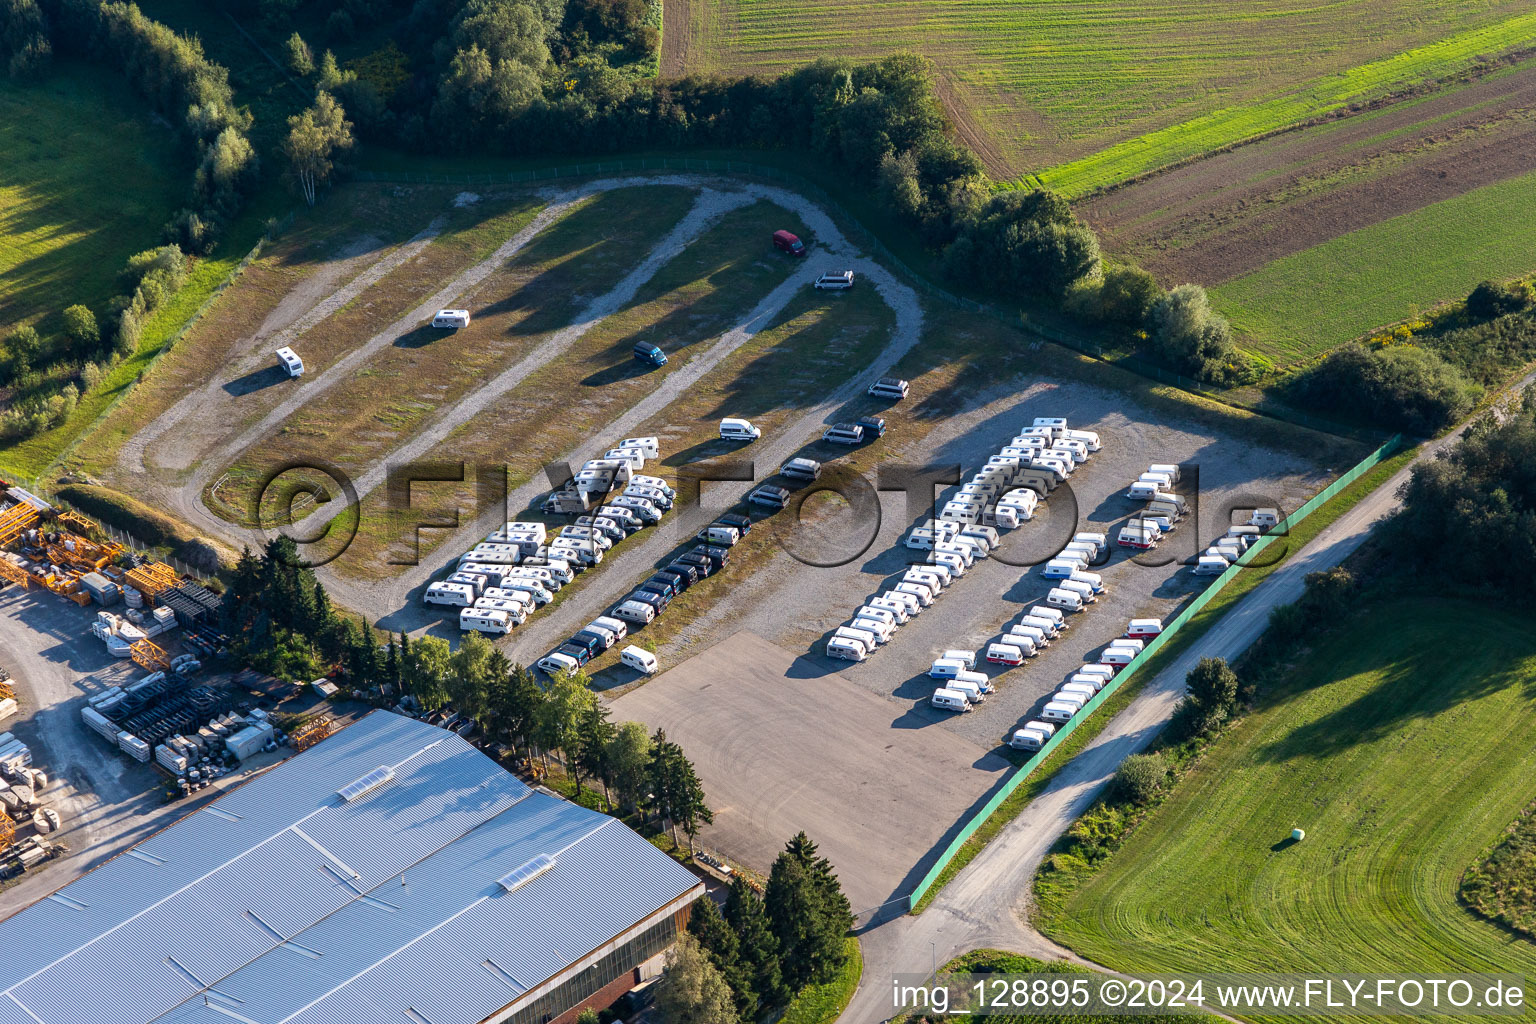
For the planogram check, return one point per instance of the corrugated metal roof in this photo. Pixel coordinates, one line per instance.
(288, 905)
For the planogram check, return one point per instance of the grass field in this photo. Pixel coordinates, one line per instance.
(1098, 91)
(1306, 303)
(86, 179)
(1402, 759)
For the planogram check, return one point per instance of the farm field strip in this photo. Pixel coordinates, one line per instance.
(1208, 881)
(1053, 83)
(1312, 300)
(1234, 124)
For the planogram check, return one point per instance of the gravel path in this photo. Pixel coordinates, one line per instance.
(986, 904)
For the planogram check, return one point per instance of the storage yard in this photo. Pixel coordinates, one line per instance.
(713, 339)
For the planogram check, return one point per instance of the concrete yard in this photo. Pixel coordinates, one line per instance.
(783, 746)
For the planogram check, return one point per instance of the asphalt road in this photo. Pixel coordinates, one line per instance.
(985, 904)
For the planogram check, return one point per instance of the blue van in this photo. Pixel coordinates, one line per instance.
(649, 354)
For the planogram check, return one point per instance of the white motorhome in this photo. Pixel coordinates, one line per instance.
(289, 360)
(494, 621)
(452, 594)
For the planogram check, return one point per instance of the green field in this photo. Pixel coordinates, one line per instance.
(1099, 91)
(86, 179)
(1402, 756)
(1308, 302)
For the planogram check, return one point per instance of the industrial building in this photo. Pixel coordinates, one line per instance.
(390, 873)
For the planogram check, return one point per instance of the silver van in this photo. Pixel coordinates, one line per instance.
(637, 612)
(844, 433)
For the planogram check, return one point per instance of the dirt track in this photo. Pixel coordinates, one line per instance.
(1220, 217)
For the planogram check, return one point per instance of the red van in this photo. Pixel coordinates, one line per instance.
(786, 242)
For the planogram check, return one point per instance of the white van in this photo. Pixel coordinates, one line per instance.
(289, 360)
(494, 620)
(896, 608)
(947, 699)
(556, 662)
(919, 591)
(847, 650)
(451, 318)
(615, 626)
(1057, 425)
(1088, 437)
(1265, 518)
(453, 594)
(635, 611)
(732, 429)
(1211, 565)
(1083, 591)
(1066, 600)
(639, 659)
(1056, 711)
(1032, 737)
(947, 668)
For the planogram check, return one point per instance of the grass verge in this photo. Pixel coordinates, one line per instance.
(824, 1003)
(1084, 734)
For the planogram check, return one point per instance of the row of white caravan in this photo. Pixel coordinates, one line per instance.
(518, 568)
(874, 623)
(1162, 512)
(1081, 687)
(1008, 489)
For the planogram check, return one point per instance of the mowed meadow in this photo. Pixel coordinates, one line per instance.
(1082, 94)
(1401, 757)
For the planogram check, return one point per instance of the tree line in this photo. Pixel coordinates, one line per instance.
(741, 960)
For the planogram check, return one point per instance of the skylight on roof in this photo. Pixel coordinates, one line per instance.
(515, 880)
(373, 780)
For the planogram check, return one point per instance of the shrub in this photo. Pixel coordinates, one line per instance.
(587, 1016)
(24, 44)
(1139, 777)
(1189, 335)
(1127, 295)
(298, 56)
(1491, 300)
(80, 326)
(1402, 387)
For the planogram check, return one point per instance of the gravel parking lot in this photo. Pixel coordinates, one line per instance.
(783, 746)
(798, 606)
